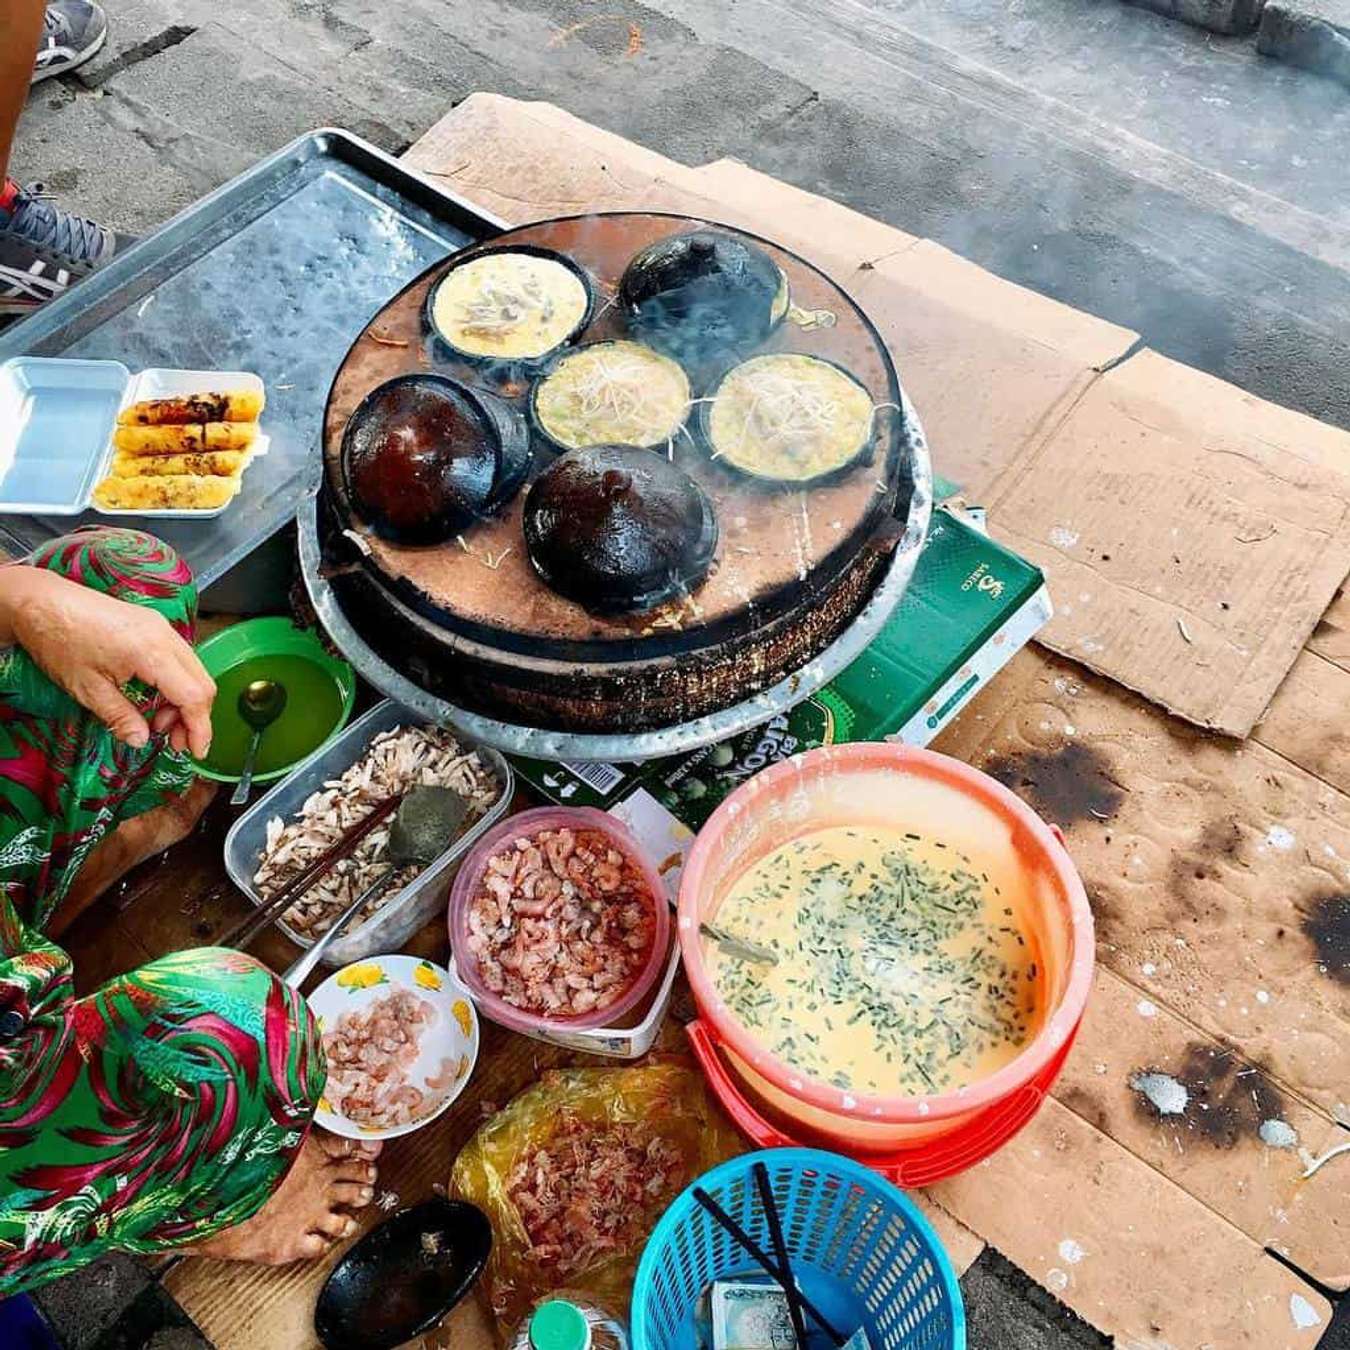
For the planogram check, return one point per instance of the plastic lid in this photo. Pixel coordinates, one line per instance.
(559, 1325)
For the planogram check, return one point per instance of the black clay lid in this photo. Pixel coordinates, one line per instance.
(619, 529)
(420, 459)
(702, 295)
(403, 1277)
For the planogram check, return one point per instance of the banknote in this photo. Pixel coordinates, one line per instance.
(747, 1315)
(754, 1315)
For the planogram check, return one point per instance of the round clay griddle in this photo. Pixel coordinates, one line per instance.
(772, 539)
(470, 620)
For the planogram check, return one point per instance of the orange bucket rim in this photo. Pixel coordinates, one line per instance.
(1058, 1028)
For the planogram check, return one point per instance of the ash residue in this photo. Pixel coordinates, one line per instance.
(1066, 785)
(1226, 1098)
(1327, 926)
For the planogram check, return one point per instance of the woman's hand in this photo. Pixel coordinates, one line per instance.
(92, 644)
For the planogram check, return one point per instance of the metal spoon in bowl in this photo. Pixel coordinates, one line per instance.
(738, 948)
(260, 704)
(427, 822)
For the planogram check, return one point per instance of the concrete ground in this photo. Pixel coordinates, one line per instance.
(1161, 177)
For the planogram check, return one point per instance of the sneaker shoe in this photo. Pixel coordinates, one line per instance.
(72, 31)
(43, 248)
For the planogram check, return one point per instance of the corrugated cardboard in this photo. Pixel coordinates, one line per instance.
(1195, 534)
(991, 367)
(1213, 1147)
(1127, 1250)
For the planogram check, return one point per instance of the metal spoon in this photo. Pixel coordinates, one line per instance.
(427, 822)
(260, 704)
(739, 948)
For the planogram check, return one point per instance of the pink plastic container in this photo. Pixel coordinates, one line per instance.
(915, 1140)
(525, 826)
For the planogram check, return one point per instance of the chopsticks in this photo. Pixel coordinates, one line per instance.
(244, 933)
(753, 1249)
(794, 1297)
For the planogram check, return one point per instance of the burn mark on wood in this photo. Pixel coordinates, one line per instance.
(1082, 1103)
(1219, 844)
(1066, 785)
(1326, 924)
(1227, 1096)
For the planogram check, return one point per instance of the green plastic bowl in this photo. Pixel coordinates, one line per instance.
(272, 637)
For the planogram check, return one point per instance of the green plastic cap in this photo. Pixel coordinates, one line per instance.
(559, 1325)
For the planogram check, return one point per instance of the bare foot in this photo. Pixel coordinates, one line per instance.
(129, 845)
(309, 1211)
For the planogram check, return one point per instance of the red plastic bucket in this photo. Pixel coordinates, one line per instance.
(915, 1140)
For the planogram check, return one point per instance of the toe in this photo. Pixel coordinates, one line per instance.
(335, 1225)
(356, 1170)
(335, 1146)
(311, 1247)
(350, 1195)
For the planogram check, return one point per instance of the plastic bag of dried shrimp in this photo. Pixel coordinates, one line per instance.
(575, 1172)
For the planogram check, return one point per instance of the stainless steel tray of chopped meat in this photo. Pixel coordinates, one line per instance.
(277, 272)
(402, 911)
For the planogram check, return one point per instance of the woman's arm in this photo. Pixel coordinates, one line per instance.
(92, 645)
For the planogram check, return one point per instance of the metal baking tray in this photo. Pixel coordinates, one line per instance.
(418, 902)
(538, 743)
(276, 272)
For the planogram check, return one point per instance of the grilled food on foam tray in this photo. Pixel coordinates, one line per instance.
(181, 454)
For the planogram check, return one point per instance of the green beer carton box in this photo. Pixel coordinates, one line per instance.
(970, 605)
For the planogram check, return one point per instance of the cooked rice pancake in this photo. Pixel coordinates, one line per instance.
(185, 440)
(509, 305)
(789, 417)
(205, 463)
(178, 492)
(231, 405)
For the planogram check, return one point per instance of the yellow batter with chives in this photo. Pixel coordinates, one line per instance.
(515, 306)
(901, 970)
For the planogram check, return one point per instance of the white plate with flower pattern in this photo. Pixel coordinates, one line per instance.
(447, 1047)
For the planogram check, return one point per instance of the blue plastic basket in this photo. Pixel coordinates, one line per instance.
(860, 1250)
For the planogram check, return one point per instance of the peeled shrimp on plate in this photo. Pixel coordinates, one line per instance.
(400, 1035)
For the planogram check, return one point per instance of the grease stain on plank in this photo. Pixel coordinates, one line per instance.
(1227, 1097)
(1326, 924)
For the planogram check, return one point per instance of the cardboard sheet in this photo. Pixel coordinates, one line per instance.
(991, 367)
(1194, 1108)
(1127, 1250)
(1306, 720)
(1193, 536)
(530, 161)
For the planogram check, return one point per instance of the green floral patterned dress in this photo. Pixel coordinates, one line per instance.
(171, 1103)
